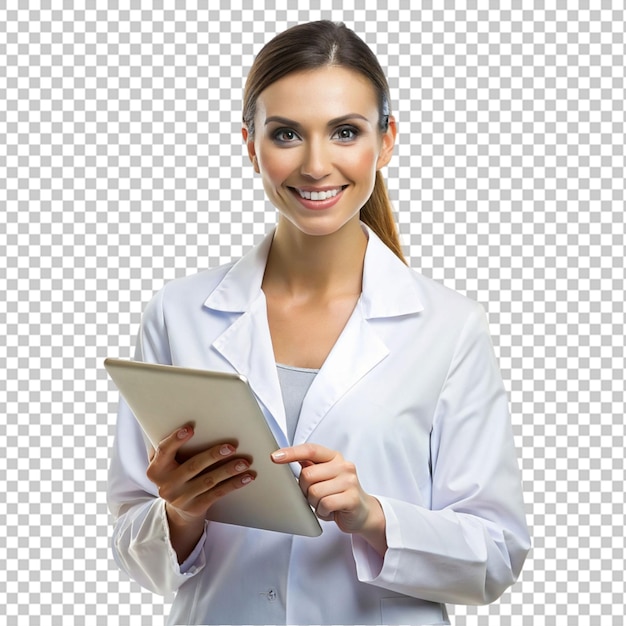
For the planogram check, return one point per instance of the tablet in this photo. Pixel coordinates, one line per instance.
(221, 407)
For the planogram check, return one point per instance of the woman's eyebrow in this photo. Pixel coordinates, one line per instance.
(293, 124)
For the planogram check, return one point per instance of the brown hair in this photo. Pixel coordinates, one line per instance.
(318, 44)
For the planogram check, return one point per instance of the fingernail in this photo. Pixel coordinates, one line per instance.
(246, 479)
(183, 432)
(242, 465)
(277, 456)
(226, 450)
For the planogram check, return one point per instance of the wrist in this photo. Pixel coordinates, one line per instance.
(179, 519)
(374, 530)
(184, 531)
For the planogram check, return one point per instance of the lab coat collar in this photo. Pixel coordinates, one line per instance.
(389, 286)
(242, 284)
(389, 289)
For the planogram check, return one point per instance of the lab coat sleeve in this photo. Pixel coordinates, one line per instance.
(469, 547)
(141, 542)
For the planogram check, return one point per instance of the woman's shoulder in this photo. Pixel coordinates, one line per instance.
(437, 294)
(234, 281)
(393, 286)
(188, 291)
(203, 281)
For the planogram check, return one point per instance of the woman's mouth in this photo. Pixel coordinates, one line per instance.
(318, 199)
(319, 195)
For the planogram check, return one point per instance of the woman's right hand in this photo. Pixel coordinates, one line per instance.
(191, 487)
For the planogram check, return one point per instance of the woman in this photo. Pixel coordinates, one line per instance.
(380, 383)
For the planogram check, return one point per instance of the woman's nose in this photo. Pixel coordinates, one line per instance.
(316, 160)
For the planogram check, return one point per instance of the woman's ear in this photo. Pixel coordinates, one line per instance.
(388, 141)
(250, 147)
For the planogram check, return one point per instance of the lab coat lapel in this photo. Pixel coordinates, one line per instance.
(389, 290)
(246, 343)
(247, 346)
(357, 351)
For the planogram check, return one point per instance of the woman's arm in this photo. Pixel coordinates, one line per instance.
(141, 542)
(468, 547)
(146, 545)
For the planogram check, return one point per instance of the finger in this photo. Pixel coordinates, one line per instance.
(199, 505)
(348, 504)
(165, 454)
(316, 492)
(337, 469)
(304, 453)
(328, 506)
(213, 478)
(206, 500)
(181, 492)
(169, 446)
(204, 460)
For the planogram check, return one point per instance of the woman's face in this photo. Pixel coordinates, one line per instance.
(317, 146)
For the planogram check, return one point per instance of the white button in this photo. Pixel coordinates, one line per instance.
(270, 594)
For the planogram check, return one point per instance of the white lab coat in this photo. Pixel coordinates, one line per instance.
(411, 393)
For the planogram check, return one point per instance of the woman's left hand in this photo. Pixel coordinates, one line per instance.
(332, 488)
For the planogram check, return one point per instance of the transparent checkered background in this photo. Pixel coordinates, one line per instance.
(121, 167)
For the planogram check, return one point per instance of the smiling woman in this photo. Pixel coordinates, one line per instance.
(318, 146)
(318, 45)
(378, 383)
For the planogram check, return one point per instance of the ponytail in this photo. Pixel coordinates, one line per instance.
(377, 213)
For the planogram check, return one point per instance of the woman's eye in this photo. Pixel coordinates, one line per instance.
(346, 133)
(285, 135)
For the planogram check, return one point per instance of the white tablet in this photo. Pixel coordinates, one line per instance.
(221, 407)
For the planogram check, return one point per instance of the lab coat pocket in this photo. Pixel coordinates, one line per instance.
(411, 611)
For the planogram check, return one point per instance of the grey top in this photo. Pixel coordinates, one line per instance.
(294, 384)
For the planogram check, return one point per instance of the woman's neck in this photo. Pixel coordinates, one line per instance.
(300, 264)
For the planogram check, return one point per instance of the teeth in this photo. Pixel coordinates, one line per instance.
(319, 195)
